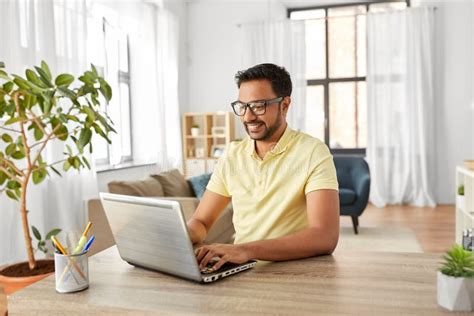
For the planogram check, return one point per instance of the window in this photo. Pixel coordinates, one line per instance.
(336, 104)
(113, 62)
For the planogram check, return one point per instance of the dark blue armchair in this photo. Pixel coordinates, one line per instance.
(353, 176)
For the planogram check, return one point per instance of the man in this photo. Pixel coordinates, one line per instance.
(282, 183)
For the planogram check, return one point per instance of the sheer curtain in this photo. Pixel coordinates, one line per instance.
(154, 81)
(281, 43)
(54, 31)
(401, 146)
(169, 141)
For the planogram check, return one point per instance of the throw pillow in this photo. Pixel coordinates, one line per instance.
(174, 183)
(199, 183)
(146, 187)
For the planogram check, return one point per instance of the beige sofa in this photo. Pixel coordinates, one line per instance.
(169, 185)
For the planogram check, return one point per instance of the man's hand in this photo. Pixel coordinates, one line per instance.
(226, 253)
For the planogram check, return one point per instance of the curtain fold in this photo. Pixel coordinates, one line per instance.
(54, 31)
(281, 43)
(169, 141)
(154, 80)
(401, 145)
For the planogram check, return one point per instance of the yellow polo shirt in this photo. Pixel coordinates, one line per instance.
(269, 195)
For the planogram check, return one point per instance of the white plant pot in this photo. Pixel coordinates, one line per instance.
(460, 202)
(194, 131)
(455, 294)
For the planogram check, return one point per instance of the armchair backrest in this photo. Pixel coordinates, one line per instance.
(349, 169)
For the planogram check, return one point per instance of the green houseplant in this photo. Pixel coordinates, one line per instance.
(456, 280)
(36, 110)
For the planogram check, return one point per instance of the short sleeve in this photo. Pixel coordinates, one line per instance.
(218, 183)
(322, 171)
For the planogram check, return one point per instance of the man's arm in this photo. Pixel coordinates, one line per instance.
(320, 238)
(207, 212)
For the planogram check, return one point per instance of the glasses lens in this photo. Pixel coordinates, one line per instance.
(258, 108)
(239, 108)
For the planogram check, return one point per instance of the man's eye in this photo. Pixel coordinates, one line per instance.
(257, 107)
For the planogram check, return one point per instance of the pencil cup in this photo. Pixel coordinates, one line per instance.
(71, 272)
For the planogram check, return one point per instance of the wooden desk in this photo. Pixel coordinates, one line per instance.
(348, 283)
(3, 301)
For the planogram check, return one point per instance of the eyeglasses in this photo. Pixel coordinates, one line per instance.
(257, 107)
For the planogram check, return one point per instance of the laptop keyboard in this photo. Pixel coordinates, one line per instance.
(226, 266)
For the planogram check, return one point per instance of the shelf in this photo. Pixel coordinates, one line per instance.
(204, 144)
(465, 171)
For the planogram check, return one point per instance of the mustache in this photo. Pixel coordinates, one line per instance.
(253, 122)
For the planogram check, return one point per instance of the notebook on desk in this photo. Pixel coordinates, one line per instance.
(152, 233)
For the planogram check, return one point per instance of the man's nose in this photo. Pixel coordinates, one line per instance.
(249, 116)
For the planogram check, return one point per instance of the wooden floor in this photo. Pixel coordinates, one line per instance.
(434, 227)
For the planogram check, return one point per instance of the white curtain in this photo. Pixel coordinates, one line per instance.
(401, 147)
(154, 83)
(54, 31)
(169, 141)
(281, 43)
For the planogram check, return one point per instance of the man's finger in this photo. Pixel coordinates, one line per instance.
(210, 254)
(220, 263)
(202, 252)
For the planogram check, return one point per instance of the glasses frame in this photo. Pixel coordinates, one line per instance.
(248, 105)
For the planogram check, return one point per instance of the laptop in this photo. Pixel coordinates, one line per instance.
(152, 233)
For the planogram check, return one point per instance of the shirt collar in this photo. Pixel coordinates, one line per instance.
(280, 146)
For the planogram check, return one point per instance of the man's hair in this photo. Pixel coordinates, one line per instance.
(278, 76)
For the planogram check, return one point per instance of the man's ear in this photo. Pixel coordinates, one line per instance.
(286, 104)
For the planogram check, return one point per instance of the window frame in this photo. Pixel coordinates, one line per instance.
(325, 82)
(123, 78)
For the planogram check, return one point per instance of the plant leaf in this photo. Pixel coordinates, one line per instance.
(18, 155)
(56, 171)
(14, 120)
(86, 162)
(64, 80)
(44, 77)
(45, 67)
(38, 133)
(7, 138)
(33, 77)
(52, 232)
(4, 75)
(105, 89)
(84, 138)
(36, 232)
(12, 195)
(39, 175)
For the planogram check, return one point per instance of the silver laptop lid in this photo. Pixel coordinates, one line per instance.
(151, 233)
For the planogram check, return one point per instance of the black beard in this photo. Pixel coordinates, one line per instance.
(269, 131)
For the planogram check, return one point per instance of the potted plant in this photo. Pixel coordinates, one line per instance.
(195, 130)
(456, 280)
(36, 110)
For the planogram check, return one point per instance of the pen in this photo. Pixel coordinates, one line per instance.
(82, 240)
(58, 245)
(88, 245)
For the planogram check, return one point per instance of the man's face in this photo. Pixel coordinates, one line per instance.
(262, 127)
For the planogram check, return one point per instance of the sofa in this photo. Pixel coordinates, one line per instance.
(170, 185)
(353, 175)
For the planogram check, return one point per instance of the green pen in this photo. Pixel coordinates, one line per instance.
(82, 240)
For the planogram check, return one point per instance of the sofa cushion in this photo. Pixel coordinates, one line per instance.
(146, 187)
(199, 183)
(346, 196)
(174, 183)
